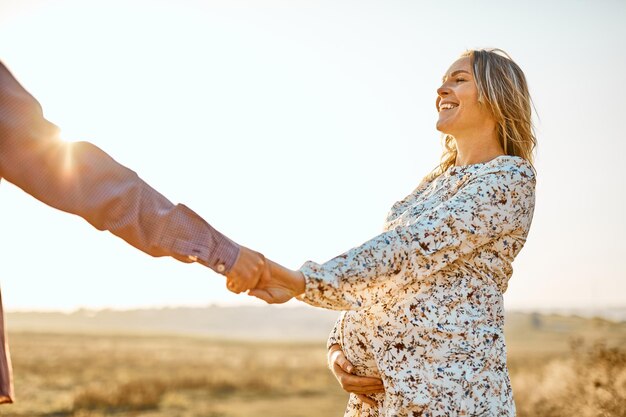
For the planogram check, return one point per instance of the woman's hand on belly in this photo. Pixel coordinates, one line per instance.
(361, 386)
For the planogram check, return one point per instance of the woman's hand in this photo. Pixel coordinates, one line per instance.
(279, 285)
(361, 386)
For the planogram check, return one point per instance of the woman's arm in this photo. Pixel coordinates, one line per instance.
(492, 205)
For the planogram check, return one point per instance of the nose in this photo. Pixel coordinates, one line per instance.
(443, 91)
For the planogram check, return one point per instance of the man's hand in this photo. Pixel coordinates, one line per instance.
(361, 386)
(247, 271)
(279, 284)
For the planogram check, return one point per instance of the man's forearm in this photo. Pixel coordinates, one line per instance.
(82, 179)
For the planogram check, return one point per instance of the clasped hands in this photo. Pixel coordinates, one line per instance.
(264, 279)
(275, 284)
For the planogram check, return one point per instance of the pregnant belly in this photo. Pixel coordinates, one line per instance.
(358, 342)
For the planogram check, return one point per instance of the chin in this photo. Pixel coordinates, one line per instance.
(442, 128)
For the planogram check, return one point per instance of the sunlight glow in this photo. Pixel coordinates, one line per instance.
(68, 159)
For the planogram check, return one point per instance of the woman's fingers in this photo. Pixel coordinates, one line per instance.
(364, 391)
(359, 389)
(260, 294)
(358, 384)
(343, 369)
(343, 362)
(354, 380)
(362, 382)
(366, 400)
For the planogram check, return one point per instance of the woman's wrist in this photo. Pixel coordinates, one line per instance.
(299, 283)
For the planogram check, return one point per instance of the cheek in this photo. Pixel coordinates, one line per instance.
(469, 96)
(471, 106)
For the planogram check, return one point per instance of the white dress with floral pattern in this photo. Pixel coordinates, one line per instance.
(423, 307)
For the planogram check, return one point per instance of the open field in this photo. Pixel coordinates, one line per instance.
(77, 375)
(560, 366)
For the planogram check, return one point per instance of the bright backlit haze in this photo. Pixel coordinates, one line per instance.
(293, 126)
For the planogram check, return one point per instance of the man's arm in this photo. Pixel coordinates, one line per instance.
(80, 178)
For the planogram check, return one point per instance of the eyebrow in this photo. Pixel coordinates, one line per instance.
(443, 79)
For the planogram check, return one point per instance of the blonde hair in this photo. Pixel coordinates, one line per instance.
(503, 89)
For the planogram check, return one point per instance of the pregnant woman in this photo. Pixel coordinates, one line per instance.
(422, 302)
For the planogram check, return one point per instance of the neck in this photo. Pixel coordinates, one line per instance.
(477, 148)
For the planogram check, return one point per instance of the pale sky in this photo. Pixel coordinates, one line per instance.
(293, 126)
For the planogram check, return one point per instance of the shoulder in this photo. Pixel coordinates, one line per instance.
(507, 168)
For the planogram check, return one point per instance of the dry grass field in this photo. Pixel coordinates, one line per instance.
(97, 375)
(559, 367)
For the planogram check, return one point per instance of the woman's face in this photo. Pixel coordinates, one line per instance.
(457, 102)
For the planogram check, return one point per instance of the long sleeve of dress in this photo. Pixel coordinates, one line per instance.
(80, 178)
(497, 203)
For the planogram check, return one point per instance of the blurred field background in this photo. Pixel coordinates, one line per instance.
(92, 364)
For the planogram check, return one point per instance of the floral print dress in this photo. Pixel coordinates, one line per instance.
(423, 307)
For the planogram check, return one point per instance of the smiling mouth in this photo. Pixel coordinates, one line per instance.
(448, 107)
